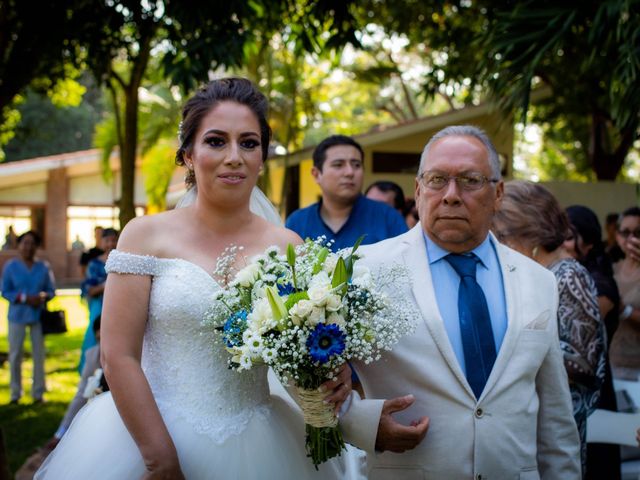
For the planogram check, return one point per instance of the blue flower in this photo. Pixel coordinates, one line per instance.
(234, 327)
(285, 289)
(325, 341)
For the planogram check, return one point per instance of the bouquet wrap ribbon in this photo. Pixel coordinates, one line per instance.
(316, 413)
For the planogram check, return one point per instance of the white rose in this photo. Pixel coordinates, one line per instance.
(301, 309)
(319, 294)
(316, 316)
(248, 275)
(320, 279)
(330, 264)
(333, 303)
(337, 319)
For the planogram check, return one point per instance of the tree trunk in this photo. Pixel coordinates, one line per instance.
(128, 156)
(130, 145)
(607, 160)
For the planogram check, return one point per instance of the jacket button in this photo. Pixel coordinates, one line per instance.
(478, 476)
(479, 413)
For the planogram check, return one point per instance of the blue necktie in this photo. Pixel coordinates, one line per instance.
(475, 323)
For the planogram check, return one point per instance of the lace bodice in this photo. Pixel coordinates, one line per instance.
(187, 371)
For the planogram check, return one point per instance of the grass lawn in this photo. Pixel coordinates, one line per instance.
(27, 427)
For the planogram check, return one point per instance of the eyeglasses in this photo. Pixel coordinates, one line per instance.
(467, 181)
(626, 233)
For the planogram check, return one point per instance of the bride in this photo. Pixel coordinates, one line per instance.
(175, 410)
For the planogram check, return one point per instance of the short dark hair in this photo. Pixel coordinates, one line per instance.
(611, 218)
(586, 222)
(36, 237)
(387, 186)
(109, 232)
(629, 212)
(234, 89)
(320, 153)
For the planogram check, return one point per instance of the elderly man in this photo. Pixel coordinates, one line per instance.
(483, 372)
(344, 214)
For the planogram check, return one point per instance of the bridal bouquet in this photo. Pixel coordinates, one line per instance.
(304, 314)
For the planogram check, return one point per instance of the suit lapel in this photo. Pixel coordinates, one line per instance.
(512, 298)
(417, 264)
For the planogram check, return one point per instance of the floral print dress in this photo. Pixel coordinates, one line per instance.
(582, 340)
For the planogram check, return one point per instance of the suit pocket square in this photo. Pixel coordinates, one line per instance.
(539, 323)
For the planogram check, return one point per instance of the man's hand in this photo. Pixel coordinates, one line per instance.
(394, 436)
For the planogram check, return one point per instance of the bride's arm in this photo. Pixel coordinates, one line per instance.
(124, 316)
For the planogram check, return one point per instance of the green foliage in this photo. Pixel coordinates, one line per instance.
(67, 93)
(11, 118)
(188, 43)
(590, 58)
(294, 298)
(45, 128)
(340, 275)
(588, 55)
(39, 44)
(443, 34)
(158, 165)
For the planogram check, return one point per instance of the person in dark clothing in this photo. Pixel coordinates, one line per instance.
(611, 229)
(603, 460)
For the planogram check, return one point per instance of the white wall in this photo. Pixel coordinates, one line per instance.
(601, 197)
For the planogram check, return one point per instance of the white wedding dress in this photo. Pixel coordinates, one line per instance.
(225, 424)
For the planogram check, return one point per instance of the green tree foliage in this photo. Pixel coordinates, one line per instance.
(39, 50)
(62, 121)
(590, 58)
(588, 54)
(190, 42)
(158, 166)
(39, 43)
(158, 126)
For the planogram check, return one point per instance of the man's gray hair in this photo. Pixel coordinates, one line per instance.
(465, 131)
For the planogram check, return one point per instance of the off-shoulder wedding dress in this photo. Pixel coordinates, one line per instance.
(225, 424)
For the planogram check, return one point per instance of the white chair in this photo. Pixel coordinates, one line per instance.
(604, 426)
(632, 388)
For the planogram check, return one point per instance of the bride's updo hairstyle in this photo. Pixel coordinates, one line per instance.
(239, 90)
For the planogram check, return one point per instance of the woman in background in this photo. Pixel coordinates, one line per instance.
(531, 221)
(625, 347)
(27, 283)
(93, 287)
(589, 249)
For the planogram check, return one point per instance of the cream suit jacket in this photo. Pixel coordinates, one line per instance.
(521, 427)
